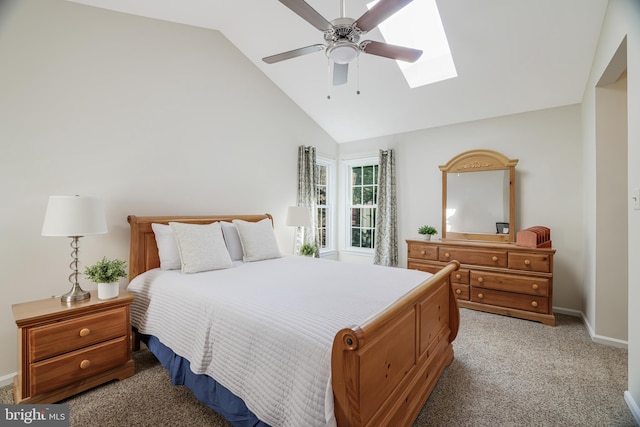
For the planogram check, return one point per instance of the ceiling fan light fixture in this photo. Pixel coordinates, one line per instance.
(343, 52)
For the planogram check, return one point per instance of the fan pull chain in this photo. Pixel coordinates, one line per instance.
(358, 75)
(328, 79)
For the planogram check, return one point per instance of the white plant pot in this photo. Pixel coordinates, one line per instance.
(426, 236)
(108, 290)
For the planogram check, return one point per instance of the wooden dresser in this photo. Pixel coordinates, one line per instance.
(65, 349)
(499, 278)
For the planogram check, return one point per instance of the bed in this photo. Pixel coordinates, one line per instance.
(380, 371)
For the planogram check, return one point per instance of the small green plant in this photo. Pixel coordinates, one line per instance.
(106, 271)
(308, 249)
(427, 229)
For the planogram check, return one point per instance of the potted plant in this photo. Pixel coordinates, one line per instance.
(427, 231)
(308, 249)
(106, 273)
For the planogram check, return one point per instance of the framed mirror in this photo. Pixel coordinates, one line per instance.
(478, 197)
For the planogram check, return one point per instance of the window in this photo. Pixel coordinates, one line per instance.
(324, 202)
(363, 190)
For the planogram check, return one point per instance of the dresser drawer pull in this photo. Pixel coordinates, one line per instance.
(480, 296)
(447, 255)
(535, 286)
(458, 276)
(480, 279)
(85, 364)
(534, 304)
(458, 291)
(494, 258)
(527, 262)
(423, 252)
(84, 332)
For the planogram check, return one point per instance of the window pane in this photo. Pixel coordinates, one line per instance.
(356, 176)
(322, 175)
(356, 198)
(355, 217)
(367, 195)
(368, 175)
(367, 238)
(321, 199)
(355, 237)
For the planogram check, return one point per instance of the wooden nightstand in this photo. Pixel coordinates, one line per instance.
(65, 349)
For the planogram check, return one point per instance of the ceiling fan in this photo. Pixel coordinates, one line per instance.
(342, 36)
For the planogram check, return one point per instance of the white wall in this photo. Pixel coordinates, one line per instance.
(155, 118)
(548, 180)
(622, 20)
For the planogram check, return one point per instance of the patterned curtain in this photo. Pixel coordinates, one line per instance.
(386, 241)
(307, 192)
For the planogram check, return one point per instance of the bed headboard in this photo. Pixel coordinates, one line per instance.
(143, 253)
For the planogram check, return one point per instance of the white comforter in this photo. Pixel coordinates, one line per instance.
(265, 329)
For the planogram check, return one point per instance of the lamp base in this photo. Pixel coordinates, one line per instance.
(76, 294)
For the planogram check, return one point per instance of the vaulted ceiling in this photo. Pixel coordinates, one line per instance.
(511, 56)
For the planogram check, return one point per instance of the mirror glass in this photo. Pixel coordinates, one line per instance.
(476, 201)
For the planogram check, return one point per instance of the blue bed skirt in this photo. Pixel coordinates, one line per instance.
(204, 388)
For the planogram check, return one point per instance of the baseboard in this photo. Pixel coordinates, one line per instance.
(613, 342)
(633, 406)
(7, 379)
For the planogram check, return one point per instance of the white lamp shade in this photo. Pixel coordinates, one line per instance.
(298, 216)
(74, 216)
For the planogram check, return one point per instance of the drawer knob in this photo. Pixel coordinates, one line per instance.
(458, 276)
(85, 364)
(527, 262)
(423, 252)
(84, 332)
(534, 304)
(458, 291)
(480, 279)
(480, 296)
(535, 286)
(447, 255)
(494, 258)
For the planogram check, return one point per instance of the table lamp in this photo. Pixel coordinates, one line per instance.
(74, 217)
(298, 216)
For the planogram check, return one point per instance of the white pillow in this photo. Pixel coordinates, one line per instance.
(232, 240)
(167, 247)
(258, 240)
(201, 247)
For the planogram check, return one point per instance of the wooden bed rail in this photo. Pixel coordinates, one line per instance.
(384, 370)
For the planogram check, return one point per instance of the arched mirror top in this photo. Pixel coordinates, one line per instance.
(478, 197)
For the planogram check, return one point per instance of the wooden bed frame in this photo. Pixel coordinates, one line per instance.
(382, 370)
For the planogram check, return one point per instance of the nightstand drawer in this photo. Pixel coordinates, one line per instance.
(59, 371)
(68, 335)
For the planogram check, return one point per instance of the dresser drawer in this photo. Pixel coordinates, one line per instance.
(490, 258)
(68, 335)
(460, 291)
(511, 283)
(59, 371)
(530, 262)
(460, 276)
(537, 304)
(423, 251)
(429, 268)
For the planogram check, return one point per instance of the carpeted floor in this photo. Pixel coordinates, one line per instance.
(507, 372)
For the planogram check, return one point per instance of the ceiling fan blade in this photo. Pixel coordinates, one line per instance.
(309, 14)
(391, 51)
(340, 73)
(293, 53)
(378, 13)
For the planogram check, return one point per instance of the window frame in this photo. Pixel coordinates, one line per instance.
(348, 206)
(331, 190)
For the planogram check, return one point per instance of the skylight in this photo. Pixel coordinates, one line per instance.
(418, 25)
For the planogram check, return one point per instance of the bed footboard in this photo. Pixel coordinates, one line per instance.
(384, 370)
